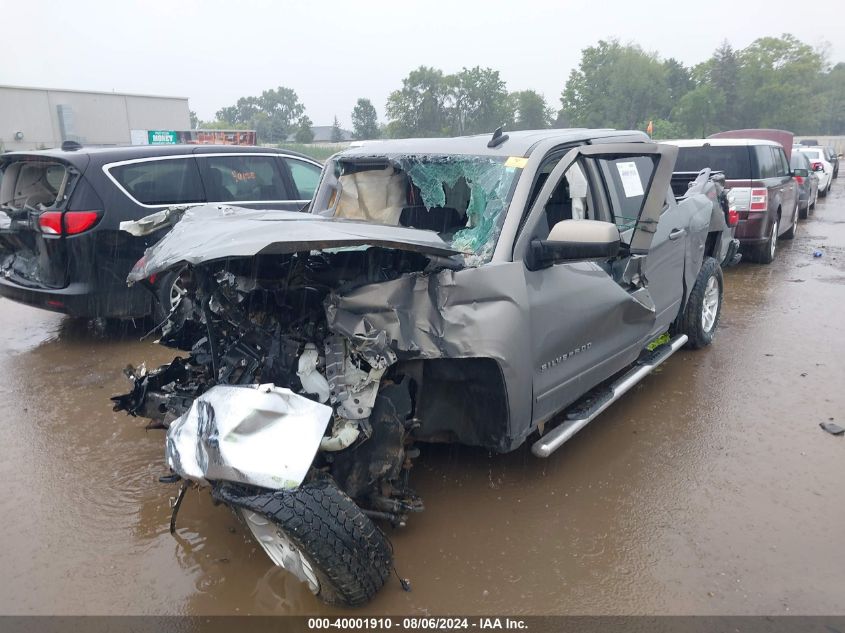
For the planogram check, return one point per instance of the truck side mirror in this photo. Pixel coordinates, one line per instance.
(572, 240)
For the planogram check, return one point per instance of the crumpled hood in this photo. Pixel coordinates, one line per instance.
(213, 232)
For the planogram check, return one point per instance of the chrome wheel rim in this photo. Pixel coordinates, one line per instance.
(176, 292)
(710, 305)
(281, 549)
(773, 246)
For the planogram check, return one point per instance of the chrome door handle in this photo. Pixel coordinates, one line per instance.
(676, 233)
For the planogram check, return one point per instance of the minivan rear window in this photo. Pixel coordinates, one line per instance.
(33, 183)
(733, 160)
(173, 181)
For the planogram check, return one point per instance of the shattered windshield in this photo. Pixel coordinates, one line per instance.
(462, 198)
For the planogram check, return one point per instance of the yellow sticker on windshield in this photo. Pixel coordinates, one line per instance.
(516, 161)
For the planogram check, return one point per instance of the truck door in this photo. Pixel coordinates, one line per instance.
(591, 318)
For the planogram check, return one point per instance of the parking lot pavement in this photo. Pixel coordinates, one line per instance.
(708, 489)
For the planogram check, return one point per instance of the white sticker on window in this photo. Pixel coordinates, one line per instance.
(630, 176)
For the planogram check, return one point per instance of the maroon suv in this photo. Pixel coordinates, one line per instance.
(762, 188)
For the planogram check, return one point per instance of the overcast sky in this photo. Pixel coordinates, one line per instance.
(331, 53)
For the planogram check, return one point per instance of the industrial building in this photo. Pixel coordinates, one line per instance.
(37, 118)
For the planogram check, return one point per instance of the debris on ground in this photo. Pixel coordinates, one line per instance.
(832, 428)
(817, 253)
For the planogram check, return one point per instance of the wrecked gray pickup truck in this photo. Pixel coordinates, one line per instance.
(475, 290)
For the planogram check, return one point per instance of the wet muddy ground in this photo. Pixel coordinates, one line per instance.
(709, 489)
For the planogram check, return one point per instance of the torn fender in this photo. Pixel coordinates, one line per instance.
(471, 313)
(214, 232)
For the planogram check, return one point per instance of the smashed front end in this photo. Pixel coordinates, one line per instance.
(305, 331)
(266, 377)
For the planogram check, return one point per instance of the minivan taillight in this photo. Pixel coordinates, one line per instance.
(799, 180)
(759, 199)
(51, 222)
(73, 222)
(79, 221)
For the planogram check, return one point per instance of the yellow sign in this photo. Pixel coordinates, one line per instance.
(516, 161)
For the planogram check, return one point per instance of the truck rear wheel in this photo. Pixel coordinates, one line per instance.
(334, 547)
(704, 306)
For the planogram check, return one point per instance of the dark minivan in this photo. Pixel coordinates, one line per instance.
(61, 247)
(762, 189)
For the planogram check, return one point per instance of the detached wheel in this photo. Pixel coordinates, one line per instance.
(321, 536)
(704, 306)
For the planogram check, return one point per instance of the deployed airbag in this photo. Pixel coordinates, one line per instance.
(261, 435)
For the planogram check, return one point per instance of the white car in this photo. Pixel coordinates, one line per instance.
(822, 168)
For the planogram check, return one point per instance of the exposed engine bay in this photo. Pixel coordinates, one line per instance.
(262, 321)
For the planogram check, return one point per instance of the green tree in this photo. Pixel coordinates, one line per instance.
(531, 111)
(776, 84)
(365, 120)
(337, 132)
(273, 114)
(664, 129)
(832, 97)
(721, 72)
(222, 125)
(420, 107)
(697, 110)
(304, 133)
(616, 86)
(283, 107)
(194, 119)
(244, 111)
(678, 79)
(480, 102)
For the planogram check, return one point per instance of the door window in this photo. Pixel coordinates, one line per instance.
(570, 199)
(305, 176)
(766, 166)
(174, 181)
(627, 180)
(243, 179)
(783, 166)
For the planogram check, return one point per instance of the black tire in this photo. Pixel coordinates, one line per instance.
(790, 234)
(823, 193)
(692, 322)
(765, 253)
(805, 212)
(349, 554)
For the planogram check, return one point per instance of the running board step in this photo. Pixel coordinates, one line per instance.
(556, 437)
